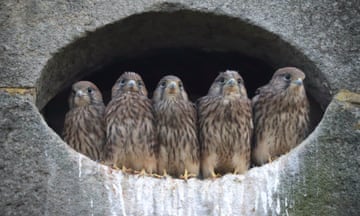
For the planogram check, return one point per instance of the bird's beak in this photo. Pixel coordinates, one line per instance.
(298, 81)
(80, 93)
(231, 87)
(231, 82)
(131, 83)
(172, 87)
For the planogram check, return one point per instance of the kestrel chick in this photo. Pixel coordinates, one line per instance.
(281, 115)
(176, 129)
(225, 122)
(130, 130)
(84, 127)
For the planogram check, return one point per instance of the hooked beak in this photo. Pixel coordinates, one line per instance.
(172, 87)
(231, 87)
(80, 93)
(298, 81)
(131, 83)
(231, 82)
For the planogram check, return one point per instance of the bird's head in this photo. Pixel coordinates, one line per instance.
(129, 82)
(288, 78)
(84, 93)
(228, 83)
(170, 87)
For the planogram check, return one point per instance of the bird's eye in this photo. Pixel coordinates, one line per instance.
(287, 77)
(181, 85)
(239, 81)
(122, 82)
(89, 90)
(73, 91)
(163, 84)
(140, 83)
(222, 80)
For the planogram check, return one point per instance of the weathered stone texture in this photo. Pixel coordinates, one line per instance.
(48, 44)
(327, 177)
(325, 32)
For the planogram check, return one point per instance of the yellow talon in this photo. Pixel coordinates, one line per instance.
(214, 175)
(125, 170)
(161, 176)
(141, 173)
(187, 175)
(115, 167)
(157, 175)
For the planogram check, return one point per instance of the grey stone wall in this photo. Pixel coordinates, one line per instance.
(46, 45)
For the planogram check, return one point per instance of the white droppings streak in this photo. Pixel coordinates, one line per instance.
(264, 201)
(79, 165)
(278, 206)
(254, 193)
(120, 193)
(256, 205)
(92, 207)
(114, 191)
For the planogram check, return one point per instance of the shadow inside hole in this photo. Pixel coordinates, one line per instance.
(196, 68)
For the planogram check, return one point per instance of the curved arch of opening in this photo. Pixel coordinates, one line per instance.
(143, 33)
(193, 45)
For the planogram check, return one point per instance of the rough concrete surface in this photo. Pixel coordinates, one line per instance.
(43, 176)
(46, 45)
(320, 37)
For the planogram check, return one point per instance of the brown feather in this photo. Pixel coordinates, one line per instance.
(84, 127)
(176, 128)
(281, 115)
(225, 126)
(130, 131)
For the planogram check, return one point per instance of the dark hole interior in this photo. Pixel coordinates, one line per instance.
(197, 69)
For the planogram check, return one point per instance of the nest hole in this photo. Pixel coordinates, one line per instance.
(195, 46)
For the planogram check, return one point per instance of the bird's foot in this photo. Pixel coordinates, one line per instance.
(214, 175)
(165, 175)
(126, 170)
(187, 175)
(271, 159)
(141, 173)
(157, 176)
(115, 167)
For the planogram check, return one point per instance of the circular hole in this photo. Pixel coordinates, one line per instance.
(192, 45)
(196, 68)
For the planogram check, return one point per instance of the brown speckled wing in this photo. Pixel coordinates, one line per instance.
(281, 120)
(130, 130)
(177, 136)
(84, 130)
(225, 128)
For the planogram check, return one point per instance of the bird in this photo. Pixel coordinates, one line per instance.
(281, 115)
(130, 131)
(84, 126)
(176, 126)
(225, 126)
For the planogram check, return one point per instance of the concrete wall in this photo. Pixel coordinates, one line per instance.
(46, 45)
